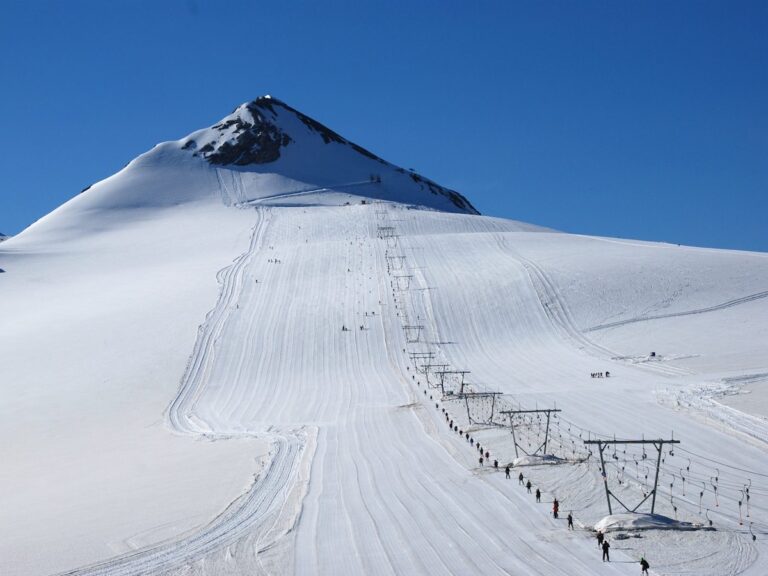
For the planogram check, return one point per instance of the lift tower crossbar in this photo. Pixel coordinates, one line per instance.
(543, 445)
(434, 367)
(460, 373)
(467, 396)
(402, 281)
(416, 356)
(395, 261)
(603, 444)
(409, 332)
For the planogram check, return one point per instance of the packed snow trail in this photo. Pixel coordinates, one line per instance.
(231, 280)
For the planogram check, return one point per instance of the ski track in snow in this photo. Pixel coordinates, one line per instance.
(203, 354)
(256, 511)
(251, 512)
(721, 306)
(557, 311)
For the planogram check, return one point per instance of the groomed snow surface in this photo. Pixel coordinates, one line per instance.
(202, 374)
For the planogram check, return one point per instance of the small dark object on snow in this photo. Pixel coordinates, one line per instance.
(606, 555)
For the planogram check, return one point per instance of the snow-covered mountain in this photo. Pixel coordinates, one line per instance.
(262, 349)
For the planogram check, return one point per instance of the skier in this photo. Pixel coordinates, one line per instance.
(496, 464)
(506, 471)
(555, 508)
(570, 521)
(644, 566)
(538, 495)
(520, 479)
(528, 486)
(600, 538)
(481, 460)
(606, 556)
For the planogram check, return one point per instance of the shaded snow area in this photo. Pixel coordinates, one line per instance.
(213, 366)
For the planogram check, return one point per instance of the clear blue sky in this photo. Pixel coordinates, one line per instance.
(633, 119)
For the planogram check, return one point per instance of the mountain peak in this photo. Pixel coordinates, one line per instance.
(253, 134)
(268, 135)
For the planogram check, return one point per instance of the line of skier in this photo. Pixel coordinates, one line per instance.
(603, 544)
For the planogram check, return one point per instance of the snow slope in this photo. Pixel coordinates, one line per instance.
(179, 396)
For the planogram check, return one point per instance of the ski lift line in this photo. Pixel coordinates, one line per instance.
(632, 441)
(527, 411)
(603, 444)
(696, 475)
(694, 504)
(731, 466)
(724, 481)
(726, 484)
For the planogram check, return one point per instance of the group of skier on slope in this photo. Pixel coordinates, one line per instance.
(602, 542)
(603, 545)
